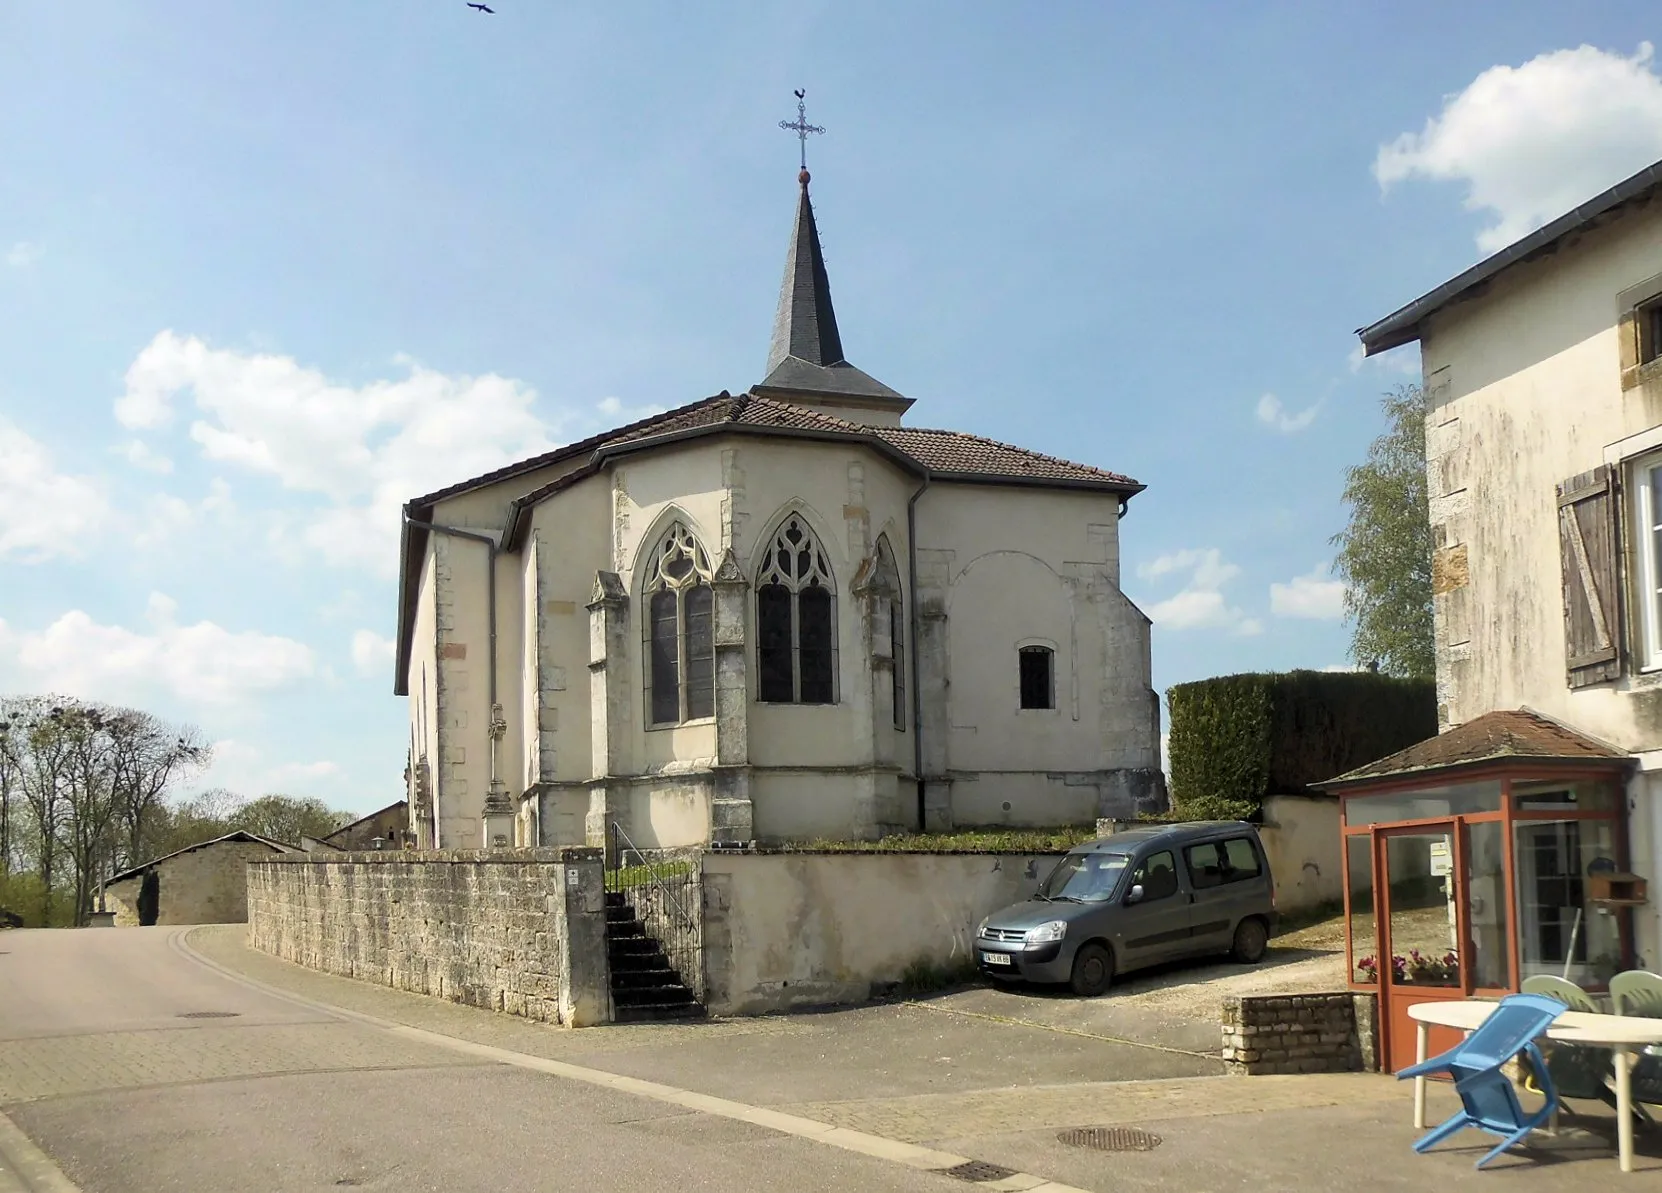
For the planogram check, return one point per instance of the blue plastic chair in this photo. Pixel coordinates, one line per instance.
(1488, 1101)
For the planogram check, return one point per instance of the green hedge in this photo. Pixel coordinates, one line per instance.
(1238, 738)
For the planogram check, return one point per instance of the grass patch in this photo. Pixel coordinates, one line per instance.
(928, 976)
(1034, 840)
(630, 877)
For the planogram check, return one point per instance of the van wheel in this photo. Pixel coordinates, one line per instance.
(1251, 939)
(1093, 970)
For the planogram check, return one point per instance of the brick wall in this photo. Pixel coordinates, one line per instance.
(1300, 1033)
(520, 931)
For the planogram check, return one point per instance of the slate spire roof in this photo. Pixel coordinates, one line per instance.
(807, 350)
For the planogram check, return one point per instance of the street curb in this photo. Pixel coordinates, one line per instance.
(909, 1154)
(24, 1168)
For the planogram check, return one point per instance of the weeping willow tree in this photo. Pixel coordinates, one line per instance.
(1384, 552)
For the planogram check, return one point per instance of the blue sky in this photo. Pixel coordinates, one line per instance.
(266, 270)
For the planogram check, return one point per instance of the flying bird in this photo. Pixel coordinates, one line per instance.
(801, 94)
(481, 7)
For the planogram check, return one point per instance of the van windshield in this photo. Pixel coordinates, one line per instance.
(1084, 878)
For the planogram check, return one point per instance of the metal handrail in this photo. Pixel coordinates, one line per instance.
(657, 881)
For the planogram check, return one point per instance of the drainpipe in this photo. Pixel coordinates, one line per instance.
(917, 642)
(496, 795)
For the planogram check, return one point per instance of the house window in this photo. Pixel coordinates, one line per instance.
(796, 652)
(680, 631)
(1647, 533)
(1038, 689)
(1649, 320)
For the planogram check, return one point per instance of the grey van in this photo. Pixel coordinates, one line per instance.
(1133, 899)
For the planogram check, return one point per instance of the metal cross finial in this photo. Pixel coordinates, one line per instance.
(801, 127)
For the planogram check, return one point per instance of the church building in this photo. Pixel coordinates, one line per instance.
(785, 614)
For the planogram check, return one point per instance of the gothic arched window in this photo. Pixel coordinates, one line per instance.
(680, 631)
(890, 576)
(796, 644)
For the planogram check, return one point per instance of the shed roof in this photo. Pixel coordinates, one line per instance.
(239, 835)
(1496, 736)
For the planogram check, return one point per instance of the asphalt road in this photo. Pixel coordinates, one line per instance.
(136, 1068)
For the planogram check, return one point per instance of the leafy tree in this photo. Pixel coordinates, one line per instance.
(287, 818)
(1385, 550)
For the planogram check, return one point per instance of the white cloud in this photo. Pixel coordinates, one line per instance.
(1273, 414)
(202, 664)
(617, 414)
(1311, 597)
(372, 654)
(1534, 141)
(141, 455)
(163, 517)
(24, 254)
(43, 512)
(362, 450)
(245, 770)
(1201, 603)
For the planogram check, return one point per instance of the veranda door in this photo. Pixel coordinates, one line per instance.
(1422, 924)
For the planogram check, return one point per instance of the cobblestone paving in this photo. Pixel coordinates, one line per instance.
(56, 1066)
(932, 1117)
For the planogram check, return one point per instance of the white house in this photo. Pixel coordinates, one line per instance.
(1544, 459)
(781, 614)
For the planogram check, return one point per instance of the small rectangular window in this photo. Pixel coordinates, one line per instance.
(701, 652)
(1649, 319)
(1037, 688)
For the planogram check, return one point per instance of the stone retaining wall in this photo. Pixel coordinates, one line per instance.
(1300, 1033)
(521, 931)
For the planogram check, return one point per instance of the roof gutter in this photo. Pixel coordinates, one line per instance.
(1403, 325)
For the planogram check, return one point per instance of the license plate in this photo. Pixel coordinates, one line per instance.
(995, 959)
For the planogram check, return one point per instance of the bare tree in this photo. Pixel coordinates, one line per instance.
(87, 734)
(44, 776)
(150, 758)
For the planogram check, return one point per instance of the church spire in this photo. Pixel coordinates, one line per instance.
(805, 325)
(805, 358)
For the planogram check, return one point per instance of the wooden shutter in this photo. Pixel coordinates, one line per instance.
(1592, 591)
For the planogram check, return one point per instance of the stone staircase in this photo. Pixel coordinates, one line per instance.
(645, 986)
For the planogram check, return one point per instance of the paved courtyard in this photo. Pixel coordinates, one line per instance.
(167, 1058)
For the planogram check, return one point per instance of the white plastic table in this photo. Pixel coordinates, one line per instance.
(1624, 1035)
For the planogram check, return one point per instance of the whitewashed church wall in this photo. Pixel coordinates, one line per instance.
(849, 496)
(421, 681)
(1032, 567)
(807, 805)
(572, 531)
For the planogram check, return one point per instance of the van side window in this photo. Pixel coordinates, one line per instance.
(1218, 862)
(1205, 865)
(1157, 875)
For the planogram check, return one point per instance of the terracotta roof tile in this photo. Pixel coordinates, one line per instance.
(939, 451)
(955, 451)
(1520, 733)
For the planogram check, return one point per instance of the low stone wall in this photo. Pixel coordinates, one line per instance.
(784, 930)
(1300, 1033)
(521, 931)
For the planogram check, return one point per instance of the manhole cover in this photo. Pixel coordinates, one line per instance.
(208, 1014)
(1110, 1139)
(978, 1170)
